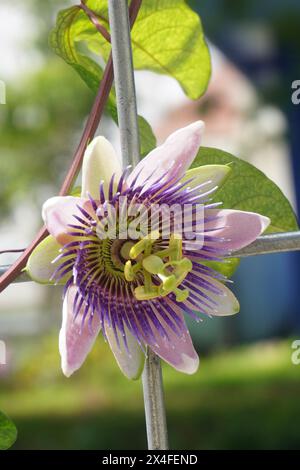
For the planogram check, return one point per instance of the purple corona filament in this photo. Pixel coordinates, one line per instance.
(97, 266)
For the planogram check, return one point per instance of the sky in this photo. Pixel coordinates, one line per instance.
(17, 30)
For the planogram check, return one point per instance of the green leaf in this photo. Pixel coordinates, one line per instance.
(8, 432)
(249, 189)
(63, 40)
(147, 138)
(76, 191)
(226, 267)
(167, 38)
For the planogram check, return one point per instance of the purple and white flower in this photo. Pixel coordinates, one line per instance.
(137, 291)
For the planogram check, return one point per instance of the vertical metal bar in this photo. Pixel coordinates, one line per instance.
(127, 116)
(154, 404)
(124, 81)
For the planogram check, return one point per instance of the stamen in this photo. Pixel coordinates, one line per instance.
(163, 271)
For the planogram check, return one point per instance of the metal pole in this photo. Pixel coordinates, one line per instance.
(154, 403)
(124, 81)
(127, 117)
(273, 243)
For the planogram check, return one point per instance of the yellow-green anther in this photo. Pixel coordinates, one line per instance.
(125, 249)
(131, 270)
(181, 295)
(168, 264)
(128, 271)
(138, 248)
(153, 264)
(183, 266)
(143, 294)
(186, 264)
(169, 283)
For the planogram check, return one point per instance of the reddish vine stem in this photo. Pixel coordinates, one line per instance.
(88, 134)
(93, 17)
(13, 250)
(90, 128)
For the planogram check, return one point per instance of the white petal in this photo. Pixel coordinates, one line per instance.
(75, 340)
(237, 228)
(173, 157)
(58, 212)
(131, 362)
(100, 162)
(39, 265)
(226, 302)
(178, 351)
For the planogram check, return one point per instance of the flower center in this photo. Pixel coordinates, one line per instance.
(113, 255)
(107, 259)
(162, 271)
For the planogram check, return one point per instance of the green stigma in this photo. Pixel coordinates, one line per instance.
(168, 266)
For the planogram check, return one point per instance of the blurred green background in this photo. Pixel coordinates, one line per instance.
(245, 398)
(246, 393)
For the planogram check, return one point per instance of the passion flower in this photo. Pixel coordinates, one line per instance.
(136, 285)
